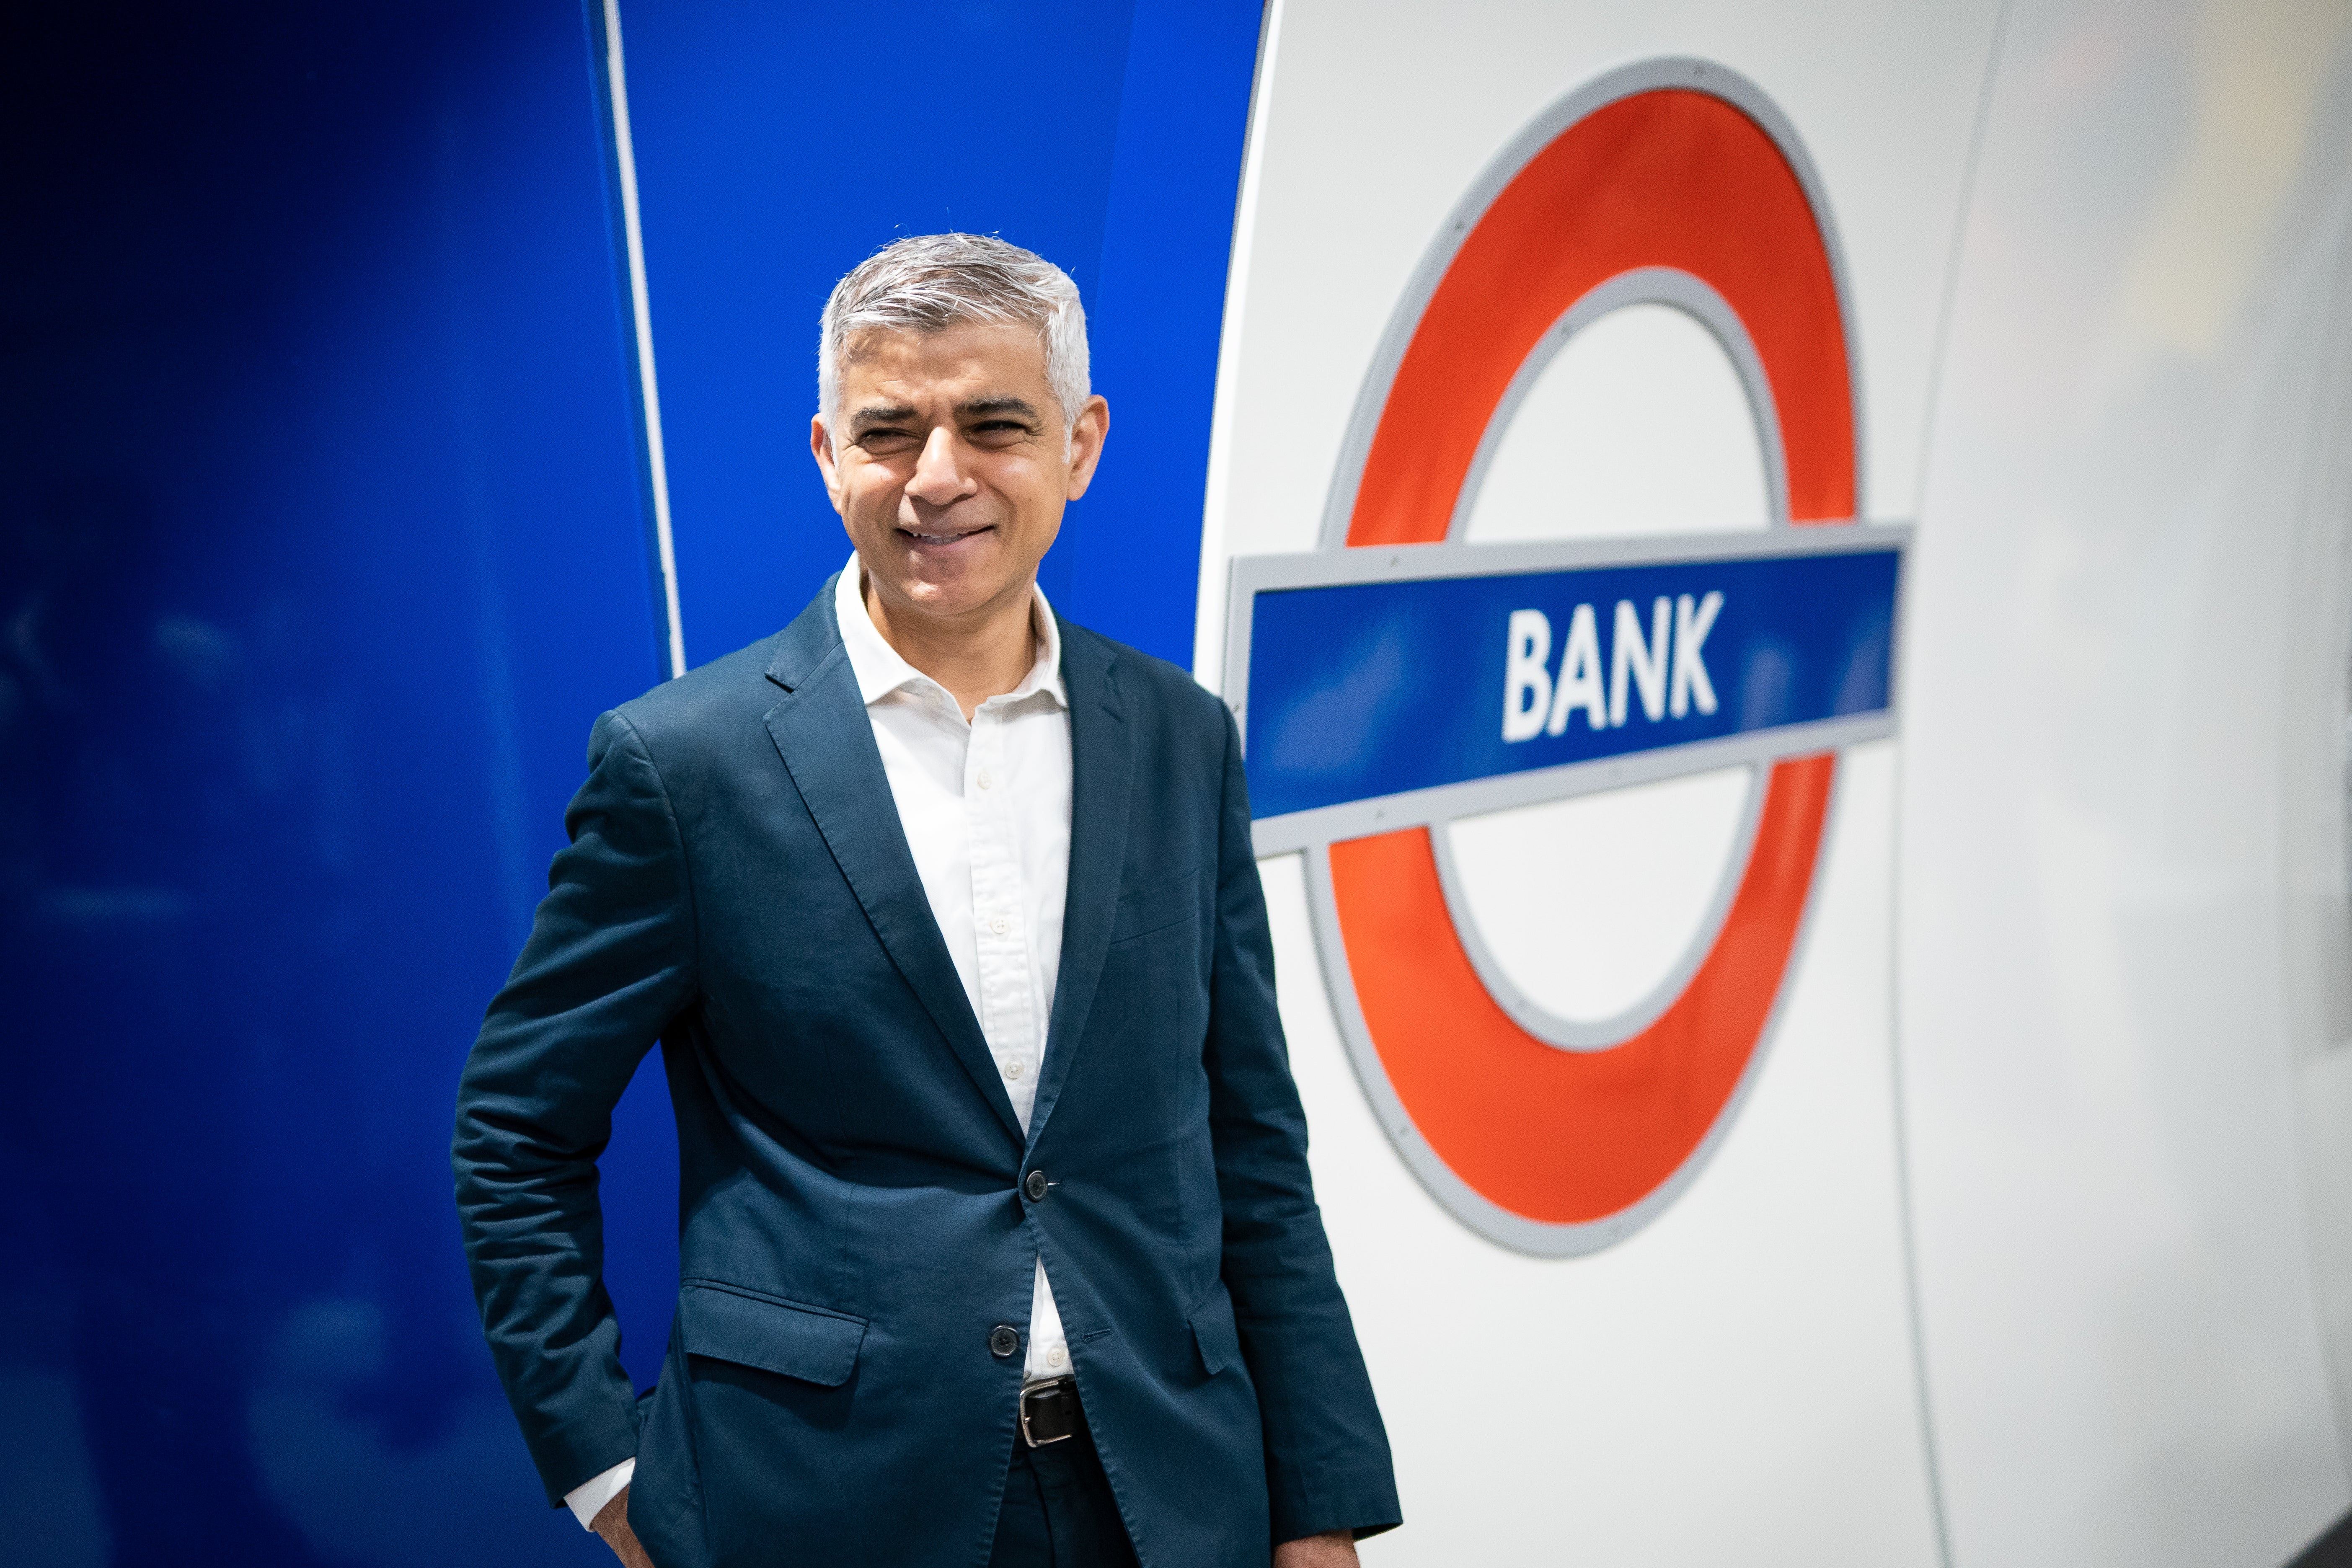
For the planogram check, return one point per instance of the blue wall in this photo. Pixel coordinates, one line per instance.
(321, 547)
(321, 552)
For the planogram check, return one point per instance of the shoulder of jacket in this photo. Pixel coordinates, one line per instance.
(706, 699)
(1153, 681)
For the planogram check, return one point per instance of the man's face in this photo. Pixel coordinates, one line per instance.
(947, 465)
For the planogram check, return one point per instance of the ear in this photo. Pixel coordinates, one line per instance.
(821, 449)
(1086, 437)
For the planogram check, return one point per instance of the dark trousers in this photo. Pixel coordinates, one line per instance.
(1058, 1511)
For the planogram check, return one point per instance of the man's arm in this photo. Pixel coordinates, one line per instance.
(1335, 1549)
(1326, 1453)
(612, 1523)
(608, 965)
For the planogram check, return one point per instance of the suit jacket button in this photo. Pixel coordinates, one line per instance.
(1035, 1186)
(1003, 1341)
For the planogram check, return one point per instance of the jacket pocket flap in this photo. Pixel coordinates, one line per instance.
(777, 1336)
(1156, 908)
(1214, 1332)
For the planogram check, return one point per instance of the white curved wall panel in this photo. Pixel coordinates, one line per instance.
(2033, 1243)
(2127, 1361)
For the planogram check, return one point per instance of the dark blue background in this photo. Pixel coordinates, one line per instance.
(321, 548)
(1372, 688)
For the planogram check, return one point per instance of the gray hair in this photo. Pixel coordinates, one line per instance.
(929, 282)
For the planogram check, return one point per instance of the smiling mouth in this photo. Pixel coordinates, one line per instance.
(919, 537)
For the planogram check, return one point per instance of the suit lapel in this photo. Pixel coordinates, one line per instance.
(1102, 763)
(826, 741)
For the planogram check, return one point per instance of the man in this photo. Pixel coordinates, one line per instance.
(998, 1245)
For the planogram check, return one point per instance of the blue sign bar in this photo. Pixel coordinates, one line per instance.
(1369, 688)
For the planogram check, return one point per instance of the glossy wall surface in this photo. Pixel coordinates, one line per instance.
(2029, 1245)
(2122, 1016)
(324, 546)
(320, 552)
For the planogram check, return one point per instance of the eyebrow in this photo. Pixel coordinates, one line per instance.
(987, 405)
(978, 408)
(880, 414)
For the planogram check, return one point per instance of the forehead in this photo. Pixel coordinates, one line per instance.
(960, 358)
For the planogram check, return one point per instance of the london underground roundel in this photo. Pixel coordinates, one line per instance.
(1401, 676)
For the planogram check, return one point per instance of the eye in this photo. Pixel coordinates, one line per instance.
(886, 440)
(997, 433)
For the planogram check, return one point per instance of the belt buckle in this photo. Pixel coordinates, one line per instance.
(1046, 1405)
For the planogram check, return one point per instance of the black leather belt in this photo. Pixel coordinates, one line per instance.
(1049, 1412)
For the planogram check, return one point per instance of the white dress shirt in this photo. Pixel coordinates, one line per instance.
(985, 805)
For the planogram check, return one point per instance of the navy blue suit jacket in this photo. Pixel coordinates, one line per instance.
(853, 1206)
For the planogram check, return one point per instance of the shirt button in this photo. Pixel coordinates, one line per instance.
(1035, 1186)
(999, 925)
(1014, 1069)
(985, 780)
(1057, 1357)
(1003, 1341)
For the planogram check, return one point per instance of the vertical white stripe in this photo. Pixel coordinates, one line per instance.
(626, 157)
(1209, 612)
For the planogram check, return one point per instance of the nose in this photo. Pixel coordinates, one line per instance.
(939, 478)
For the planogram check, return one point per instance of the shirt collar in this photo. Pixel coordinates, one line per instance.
(881, 671)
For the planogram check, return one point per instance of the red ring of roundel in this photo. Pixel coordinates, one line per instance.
(1669, 177)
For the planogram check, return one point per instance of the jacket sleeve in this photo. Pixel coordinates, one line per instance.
(609, 964)
(1326, 1453)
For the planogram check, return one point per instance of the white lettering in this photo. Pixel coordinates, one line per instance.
(1645, 661)
(1527, 684)
(1580, 675)
(1691, 684)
